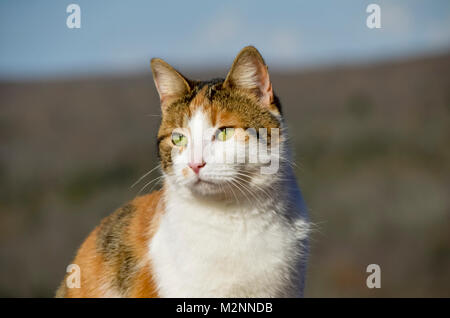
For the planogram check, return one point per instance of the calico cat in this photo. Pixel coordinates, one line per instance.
(216, 228)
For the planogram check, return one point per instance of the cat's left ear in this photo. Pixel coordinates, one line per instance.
(249, 72)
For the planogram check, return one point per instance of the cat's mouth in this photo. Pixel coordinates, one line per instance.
(205, 186)
(203, 181)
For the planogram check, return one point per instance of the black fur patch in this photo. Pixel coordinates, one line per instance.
(111, 243)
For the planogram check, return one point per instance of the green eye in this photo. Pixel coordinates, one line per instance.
(179, 139)
(224, 133)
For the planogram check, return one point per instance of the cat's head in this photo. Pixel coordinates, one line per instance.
(220, 138)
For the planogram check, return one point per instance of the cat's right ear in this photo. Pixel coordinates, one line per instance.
(168, 81)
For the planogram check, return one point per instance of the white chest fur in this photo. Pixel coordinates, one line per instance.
(201, 250)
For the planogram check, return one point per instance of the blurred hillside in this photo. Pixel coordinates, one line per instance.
(371, 143)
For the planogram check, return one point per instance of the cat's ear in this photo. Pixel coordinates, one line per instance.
(250, 72)
(169, 82)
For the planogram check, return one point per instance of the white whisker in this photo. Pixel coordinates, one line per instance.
(146, 174)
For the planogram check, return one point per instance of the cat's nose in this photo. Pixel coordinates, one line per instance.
(196, 166)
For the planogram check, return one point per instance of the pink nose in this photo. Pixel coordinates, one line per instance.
(196, 166)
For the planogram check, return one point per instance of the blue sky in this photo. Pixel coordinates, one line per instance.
(122, 36)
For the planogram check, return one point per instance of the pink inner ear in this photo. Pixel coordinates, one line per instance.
(265, 87)
(267, 97)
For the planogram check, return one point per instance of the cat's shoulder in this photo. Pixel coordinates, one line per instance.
(136, 219)
(115, 252)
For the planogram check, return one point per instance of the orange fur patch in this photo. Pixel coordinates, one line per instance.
(229, 119)
(97, 274)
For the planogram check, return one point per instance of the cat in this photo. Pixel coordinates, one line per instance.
(216, 228)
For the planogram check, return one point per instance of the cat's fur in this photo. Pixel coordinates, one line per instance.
(229, 231)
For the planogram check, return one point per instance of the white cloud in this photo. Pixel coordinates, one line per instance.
(439, 33)
(396, 18)
(229, 31)
(221, 29)
(285, 44)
